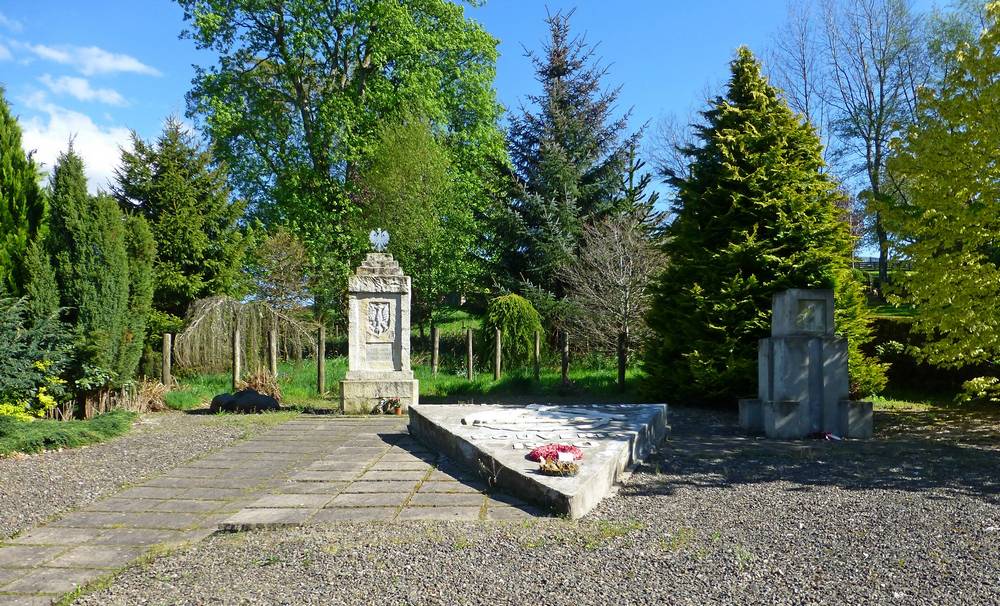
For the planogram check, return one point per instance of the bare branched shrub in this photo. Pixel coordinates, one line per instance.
(263, 382)
(142, 396)
(607, 283)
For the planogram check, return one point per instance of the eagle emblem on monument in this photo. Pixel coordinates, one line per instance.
(378, 317)
(379, 239)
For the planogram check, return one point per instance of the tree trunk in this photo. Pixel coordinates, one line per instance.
(883, 254)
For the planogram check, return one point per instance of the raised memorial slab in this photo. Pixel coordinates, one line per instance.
(494, 440)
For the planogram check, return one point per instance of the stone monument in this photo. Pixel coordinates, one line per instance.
(802, 374)
(378, 334)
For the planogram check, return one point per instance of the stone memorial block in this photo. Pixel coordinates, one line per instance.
(802, 374)
(378, 334)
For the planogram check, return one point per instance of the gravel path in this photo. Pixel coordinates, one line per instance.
(715, 519)
(38, 487)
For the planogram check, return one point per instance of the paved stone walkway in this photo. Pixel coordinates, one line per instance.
(308, 470)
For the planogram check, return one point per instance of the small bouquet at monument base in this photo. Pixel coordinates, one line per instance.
(557, 459)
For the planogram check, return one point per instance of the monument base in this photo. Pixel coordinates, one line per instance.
(361, 397)
(788, 420)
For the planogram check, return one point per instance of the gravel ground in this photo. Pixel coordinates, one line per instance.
(37, 487)
(714, 519)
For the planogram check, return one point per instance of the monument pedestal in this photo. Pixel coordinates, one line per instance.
(360, 397)
(378, 338)
(802, 374)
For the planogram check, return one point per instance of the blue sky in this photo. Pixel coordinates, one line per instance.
(119, 65)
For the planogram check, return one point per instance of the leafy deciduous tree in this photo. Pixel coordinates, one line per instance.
(948, 162)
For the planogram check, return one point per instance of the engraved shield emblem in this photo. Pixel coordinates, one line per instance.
(378, 318)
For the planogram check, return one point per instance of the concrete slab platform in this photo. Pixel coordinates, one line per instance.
(493, 441)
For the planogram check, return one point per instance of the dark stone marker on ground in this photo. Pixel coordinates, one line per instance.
(246, 401)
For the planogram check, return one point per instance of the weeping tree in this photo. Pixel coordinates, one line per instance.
(206, 344)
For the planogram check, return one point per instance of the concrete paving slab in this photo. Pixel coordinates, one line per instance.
(330, 488)
(495, 439)
(440, 499)
(53, 580)
(96, 556)
(214, 494)
(411, 476)
(371, 499)
(150, 492)
(136, 536)
(10, 574)
(250, 519)
(26, 556)
(439, 513)
(399, 486)
(58, 536)
(164, 520)
(452, 487)
(189, 506)
(383, 465)
(515, 513)
(25, 600)
(354, 514)
(324, 476)
(123, 505)
(313, 501)
(90, 519)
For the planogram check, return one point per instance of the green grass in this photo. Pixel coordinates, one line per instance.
(455, 321)
(892, 311)
(298, 385)
(46, 434)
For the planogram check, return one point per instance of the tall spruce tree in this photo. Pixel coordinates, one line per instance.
(755, 215)
(568, 153)
(176, 185)
(22, 204)
(105, 293)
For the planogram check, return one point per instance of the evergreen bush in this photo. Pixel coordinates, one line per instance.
(34, 354)
(755, 214)
(518, 321)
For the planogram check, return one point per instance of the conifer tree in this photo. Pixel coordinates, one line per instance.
(568, 156)
(22, 204)
(104, 295)
(176, 185)
(755, 215)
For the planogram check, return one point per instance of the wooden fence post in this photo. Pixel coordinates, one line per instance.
(538, 355)
(165, 378)
(435, 349)
(496, 358)
(468, 353)
(237, 353)
(321, 360)
(622, 358)
(565, 358)
(272, 352)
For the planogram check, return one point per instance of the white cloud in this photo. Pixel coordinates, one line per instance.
(80, 88)
(11, 24)
(5, 53)
(99, 146)
(91, 60)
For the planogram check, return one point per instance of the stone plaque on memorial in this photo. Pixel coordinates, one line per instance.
(378, 334)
